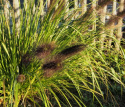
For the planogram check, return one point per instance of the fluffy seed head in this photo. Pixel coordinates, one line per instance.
(51, 68)
(70, 51)
(21, 78)
(44, 50)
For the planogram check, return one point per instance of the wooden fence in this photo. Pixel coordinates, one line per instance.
(110, 11)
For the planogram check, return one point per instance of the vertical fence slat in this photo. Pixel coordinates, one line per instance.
(75, 7)
(56, 6)
(16, 14)
(6, 9)
(41, 7)
(94, 16)
(66, 8)
(34, 8)
(84, 6)
(113, 13)
(75, 4)
(119, 34)
(48, 3)
(25, 4)
(103, 13)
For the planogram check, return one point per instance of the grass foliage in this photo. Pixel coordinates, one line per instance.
(72, 80)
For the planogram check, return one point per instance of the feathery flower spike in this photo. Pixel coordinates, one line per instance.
(70, 51)
(51, 68)
(44, 50)
(21, 78)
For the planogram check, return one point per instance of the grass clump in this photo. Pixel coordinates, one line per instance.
(71, 71)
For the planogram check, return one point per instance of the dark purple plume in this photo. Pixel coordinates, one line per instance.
(71, 51)
(51, 68)
(44, 50)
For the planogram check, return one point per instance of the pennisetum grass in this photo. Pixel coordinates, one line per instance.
(85, 69)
